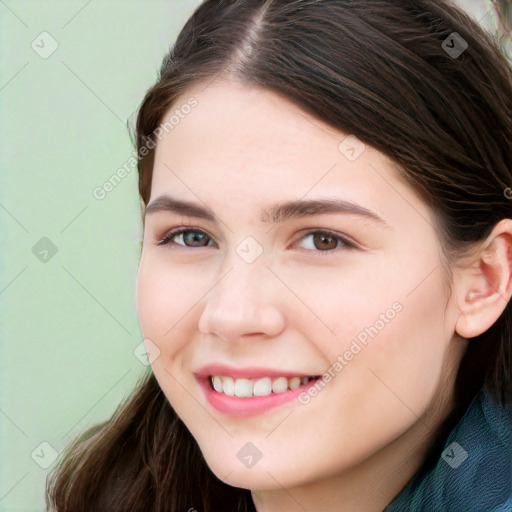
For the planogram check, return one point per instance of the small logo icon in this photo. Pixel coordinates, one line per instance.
(44, 250)
(44, 455)
(146, 352)
(249, 249)
(454, 45)
(44, 45)
(249, 455)
(454, 455)
(351, 148)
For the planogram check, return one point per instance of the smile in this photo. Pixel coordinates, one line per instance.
(265, 386)
(252, 391)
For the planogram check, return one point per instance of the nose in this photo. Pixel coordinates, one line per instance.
(244, 303)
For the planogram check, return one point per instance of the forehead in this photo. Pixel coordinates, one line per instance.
(244, 145)
(238, 125)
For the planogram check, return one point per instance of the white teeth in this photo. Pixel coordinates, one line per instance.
(229, 386)
(294, 383)
(263, 387)
(245, 388)
(217, 383)
(280, 385)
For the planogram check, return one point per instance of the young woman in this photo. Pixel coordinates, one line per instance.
(325, 277)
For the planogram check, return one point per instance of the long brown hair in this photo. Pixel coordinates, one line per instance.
(394, 74)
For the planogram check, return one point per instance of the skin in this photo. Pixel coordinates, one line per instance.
(296, 308)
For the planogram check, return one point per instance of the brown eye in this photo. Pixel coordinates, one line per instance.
(326, 242)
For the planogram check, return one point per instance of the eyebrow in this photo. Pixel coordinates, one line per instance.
(277, 213)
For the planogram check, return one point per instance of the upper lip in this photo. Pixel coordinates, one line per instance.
(252, 372)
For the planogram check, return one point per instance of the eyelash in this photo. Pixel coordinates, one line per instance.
(345, 243)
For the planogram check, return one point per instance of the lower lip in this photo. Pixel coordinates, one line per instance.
(250, 406)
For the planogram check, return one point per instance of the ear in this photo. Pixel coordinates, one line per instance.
(484, 285)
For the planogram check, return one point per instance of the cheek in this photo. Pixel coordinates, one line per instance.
(337, 306)
(398, 365)
(379, 331)
(166, 297)
(152, 298)
(334, 297)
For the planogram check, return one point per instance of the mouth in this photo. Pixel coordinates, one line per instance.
(265, 386)
(247, 392)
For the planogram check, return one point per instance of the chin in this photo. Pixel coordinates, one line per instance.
(264, 475)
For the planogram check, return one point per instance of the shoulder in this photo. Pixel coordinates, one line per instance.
(474, 471)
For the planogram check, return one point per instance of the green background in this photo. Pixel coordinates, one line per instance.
(68, 323)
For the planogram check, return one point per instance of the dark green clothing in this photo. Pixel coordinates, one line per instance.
(474, 472)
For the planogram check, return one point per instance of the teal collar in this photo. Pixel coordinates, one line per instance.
(474, 472)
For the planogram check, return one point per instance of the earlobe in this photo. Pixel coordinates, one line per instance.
(484, 285)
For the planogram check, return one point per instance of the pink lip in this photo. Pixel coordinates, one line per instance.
(232, 405)
(245, 373)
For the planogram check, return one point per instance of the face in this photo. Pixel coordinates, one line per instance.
(294, 269)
